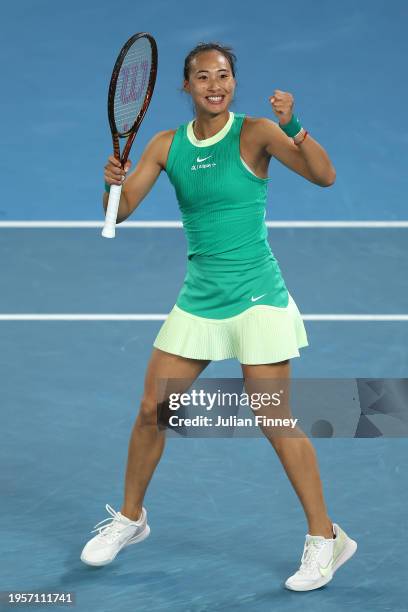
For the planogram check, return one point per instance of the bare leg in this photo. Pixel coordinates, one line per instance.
(298, 458)
(147, 441)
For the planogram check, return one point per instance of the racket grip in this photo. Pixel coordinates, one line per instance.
(112, 211)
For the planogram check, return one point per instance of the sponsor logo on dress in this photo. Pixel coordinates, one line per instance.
(200, 165)
(258, 297)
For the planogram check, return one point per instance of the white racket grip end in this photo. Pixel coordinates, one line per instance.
(112, 211)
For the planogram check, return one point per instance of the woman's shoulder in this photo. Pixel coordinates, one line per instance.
(164, 136)
(163, 139)
(159, 146)
(257, 128)
(258, 123)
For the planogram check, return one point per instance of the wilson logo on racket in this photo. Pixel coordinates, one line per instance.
(129, 77)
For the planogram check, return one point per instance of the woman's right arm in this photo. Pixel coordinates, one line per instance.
(139, 183)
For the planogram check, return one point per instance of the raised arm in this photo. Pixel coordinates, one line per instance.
(307, 158)
(138, 184)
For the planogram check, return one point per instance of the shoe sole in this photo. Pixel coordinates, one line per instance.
(349, 550)
(135, 540)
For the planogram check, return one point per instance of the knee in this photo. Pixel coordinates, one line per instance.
(148, 411)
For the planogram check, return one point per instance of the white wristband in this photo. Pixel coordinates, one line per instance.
(299, 136)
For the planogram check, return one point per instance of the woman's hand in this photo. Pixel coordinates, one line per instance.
(114, 173)
(282, 103)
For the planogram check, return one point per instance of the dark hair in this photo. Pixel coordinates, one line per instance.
(201, 47)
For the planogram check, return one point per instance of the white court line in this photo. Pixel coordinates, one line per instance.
(178, 224)
(162, 317)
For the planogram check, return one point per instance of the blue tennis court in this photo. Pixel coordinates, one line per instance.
(78, 314)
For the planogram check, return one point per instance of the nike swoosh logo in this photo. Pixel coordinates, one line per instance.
(326, 570)
(255, 299)
(199, 159)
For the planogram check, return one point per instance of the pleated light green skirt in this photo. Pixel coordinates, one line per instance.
(260, 334)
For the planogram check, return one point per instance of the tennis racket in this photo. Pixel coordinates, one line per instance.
(130, 91)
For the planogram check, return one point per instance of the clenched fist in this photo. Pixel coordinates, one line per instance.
(282, 103)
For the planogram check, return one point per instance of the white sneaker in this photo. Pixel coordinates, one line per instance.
(321, 558)
(119, 533)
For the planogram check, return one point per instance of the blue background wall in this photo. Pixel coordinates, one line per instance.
(343, 62)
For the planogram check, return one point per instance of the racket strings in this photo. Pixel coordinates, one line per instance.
(132, 84)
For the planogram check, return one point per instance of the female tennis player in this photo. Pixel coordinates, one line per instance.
(234, 302)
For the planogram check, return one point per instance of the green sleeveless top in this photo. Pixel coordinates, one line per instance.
(230, 265)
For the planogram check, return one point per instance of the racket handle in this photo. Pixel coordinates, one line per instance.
(112, 211)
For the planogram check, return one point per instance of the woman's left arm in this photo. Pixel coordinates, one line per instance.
(308, 158)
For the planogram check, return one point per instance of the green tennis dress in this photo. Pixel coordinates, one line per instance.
(234, 302)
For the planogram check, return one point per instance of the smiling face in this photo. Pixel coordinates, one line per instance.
(211, 83)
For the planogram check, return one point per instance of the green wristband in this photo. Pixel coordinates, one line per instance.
(107, 187)
(292, 128)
